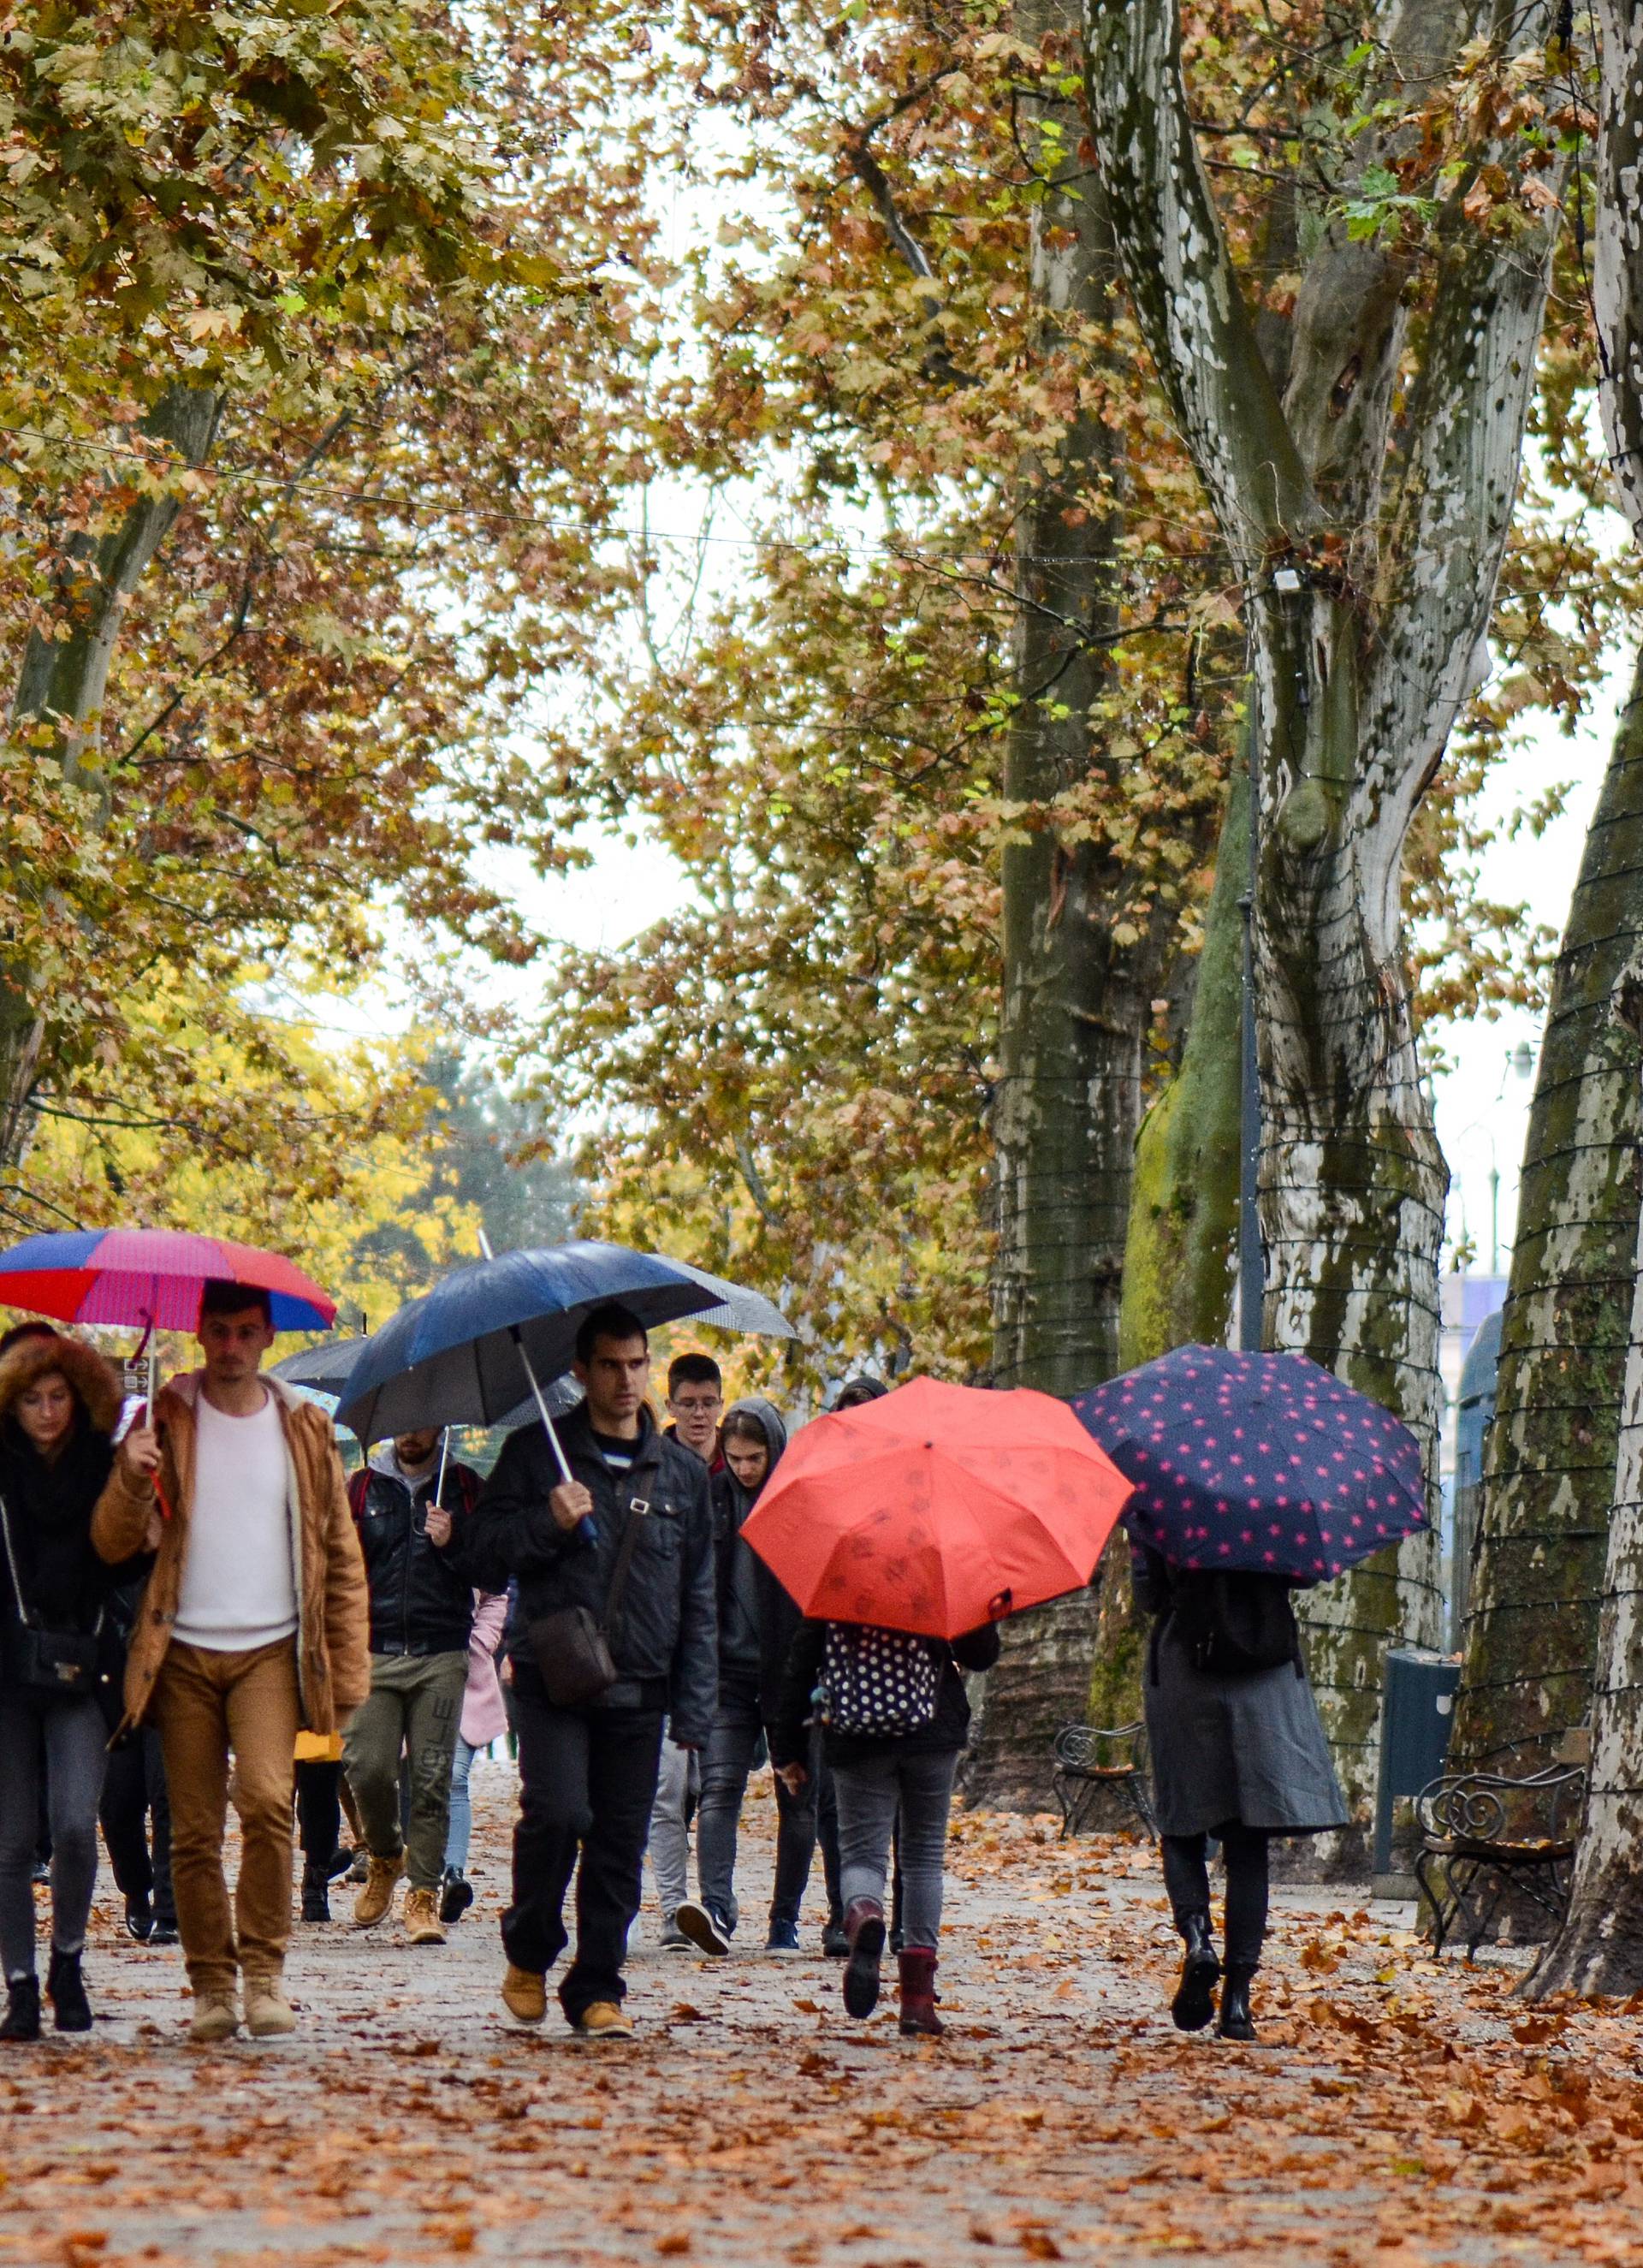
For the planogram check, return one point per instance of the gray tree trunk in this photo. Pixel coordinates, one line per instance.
(56, 708)
(1369, 555)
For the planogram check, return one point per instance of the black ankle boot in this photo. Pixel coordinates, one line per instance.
(1236, 2021)
(1194, 2004)
(316, 1904)
(67, 1993)
(21, 2020)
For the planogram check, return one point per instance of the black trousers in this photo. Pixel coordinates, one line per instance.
(1187, 1880)
(587, 1785)
(319, 1814)
(826, 1833)
(134, 1794)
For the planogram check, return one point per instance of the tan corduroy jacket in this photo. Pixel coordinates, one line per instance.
(332, 1610)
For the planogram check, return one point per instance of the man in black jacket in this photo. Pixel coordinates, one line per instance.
(587, 1771)
(422, 1614)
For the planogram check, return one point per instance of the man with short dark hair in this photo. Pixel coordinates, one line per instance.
(252, 1626)
(634, 1517)
(695, 1402)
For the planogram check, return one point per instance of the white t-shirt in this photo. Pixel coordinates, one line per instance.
(239, 1588)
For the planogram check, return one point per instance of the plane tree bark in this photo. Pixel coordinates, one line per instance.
(1365, 502)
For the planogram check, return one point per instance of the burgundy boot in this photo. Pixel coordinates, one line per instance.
(919, 2020)
(864, 1927)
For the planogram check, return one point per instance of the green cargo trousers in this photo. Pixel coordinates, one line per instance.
(416, 1704)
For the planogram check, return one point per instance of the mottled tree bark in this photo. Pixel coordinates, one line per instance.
(1369, 556)
(1599, 1947)
(57, 706)
(1531, 1634)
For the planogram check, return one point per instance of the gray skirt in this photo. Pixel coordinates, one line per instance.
(1249, 1748)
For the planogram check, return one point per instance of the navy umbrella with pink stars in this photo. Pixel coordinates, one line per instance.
(1263, 1462)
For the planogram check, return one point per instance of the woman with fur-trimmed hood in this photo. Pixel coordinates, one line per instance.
(59, 1403)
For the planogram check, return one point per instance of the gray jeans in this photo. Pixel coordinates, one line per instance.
(66, 1739)
(869, 1795)
(670, 1837)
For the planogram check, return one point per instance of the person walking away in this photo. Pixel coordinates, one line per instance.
(1238, 1752)
(484, 1719)
(421, 1619)
(862, 1388)
(695, 1402)
(913, 1688)
(252, 1626)
(589, 1752)
(757, 1624)
(134, 1805)
(59, 1402)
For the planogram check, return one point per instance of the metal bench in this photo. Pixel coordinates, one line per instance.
(1485, 1836)
(1091, 1759)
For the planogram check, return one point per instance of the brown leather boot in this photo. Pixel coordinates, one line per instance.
(864, 1928)
(919, 2020)
(378, 1895)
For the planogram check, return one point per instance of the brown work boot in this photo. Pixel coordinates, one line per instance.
(919, 2020)
(525, 1991)
(603, 2020)
(269, 2013)
(422, 1925)
(215, 2018)
(378, 1894)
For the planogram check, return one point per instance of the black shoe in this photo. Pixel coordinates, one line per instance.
(1194, 2004)
(342, 1863)
(702, 1927)
(316, 1906)
(456, 1895)
(835, 1944)
(67, 1993)
(864, 1927)
(1236, 2021)
(358, 1864)
(139, 1920)
(164, 1933)
(21, 2020)
(42, 1871)
(784, 1937)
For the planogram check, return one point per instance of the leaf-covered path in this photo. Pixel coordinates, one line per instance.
(1393, 2112)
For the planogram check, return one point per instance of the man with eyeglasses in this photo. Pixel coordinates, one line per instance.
(695, 1403)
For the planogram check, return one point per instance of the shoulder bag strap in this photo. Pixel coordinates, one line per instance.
(625, 1561)
(10, 1560)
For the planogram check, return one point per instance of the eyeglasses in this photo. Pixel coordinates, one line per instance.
(694, 1406)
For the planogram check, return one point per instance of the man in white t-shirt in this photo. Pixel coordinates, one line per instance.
(252, 1626)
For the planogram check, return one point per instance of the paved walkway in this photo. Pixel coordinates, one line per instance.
(1395, 2112)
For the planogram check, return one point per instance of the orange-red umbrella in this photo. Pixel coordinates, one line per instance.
(938, 1509)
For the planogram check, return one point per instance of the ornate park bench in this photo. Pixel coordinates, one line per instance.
(1091, 1760)
(1485, 1837)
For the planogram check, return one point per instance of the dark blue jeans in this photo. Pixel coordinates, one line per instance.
(731, 1748)
(587, 1781)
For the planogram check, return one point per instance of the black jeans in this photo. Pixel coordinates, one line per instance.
(827, 1832)
(319, 1814)
(1187, 1880)
(587, 1783)
(134, 1795)
(731, 1748)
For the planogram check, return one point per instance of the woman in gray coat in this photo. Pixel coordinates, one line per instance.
(1239, 1753)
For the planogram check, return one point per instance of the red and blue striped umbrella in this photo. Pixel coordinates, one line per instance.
(151, 1276)
(1265, 1463)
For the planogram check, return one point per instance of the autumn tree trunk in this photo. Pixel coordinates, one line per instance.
(1531, 1635)
(1369, 554)
(57, 706)
(1075, 1002)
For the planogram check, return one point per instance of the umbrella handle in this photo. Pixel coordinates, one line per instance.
(585, 1526)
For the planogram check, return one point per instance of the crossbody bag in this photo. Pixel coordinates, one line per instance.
(572, 1646)
(65, 1662)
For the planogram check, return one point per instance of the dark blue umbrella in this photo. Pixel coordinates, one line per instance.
(328, 1367)
(1261, 1462)
(459, 1355)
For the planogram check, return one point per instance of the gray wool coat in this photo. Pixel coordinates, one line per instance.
(1248, 1748)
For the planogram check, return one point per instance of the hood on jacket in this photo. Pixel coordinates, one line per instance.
(768, 1418)
(382, 1459)
(95, 1382)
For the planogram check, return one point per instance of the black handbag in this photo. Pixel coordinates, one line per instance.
(572, 1646)
(64, 1663)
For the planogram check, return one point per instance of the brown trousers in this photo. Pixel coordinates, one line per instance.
(208, 1704)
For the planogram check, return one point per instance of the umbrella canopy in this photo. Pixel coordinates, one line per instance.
(449, 1358)
(327, 1368)
(1261, 1462)
(151, 1276)
(937, 1508)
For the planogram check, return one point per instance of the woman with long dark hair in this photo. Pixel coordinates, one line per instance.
(59, 1402)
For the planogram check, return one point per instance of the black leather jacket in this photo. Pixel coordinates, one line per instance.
(421, 1602)
(665, 1638)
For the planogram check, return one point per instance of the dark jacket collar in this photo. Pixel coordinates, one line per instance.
(576, 1429)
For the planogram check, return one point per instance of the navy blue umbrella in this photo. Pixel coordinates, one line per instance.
(328, 1367)
(463, 1353)
(1261, 1462)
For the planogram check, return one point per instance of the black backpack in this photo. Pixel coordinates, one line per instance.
(1233, 1625)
